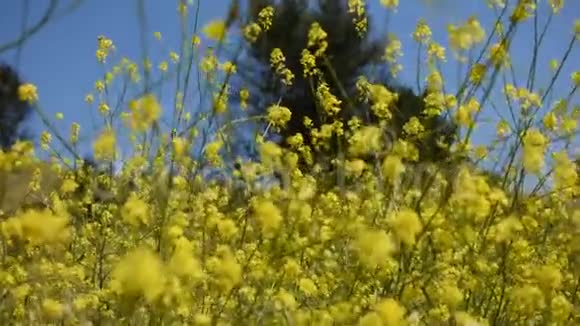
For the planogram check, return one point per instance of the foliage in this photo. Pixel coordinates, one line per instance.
(13, 110)
(272, 69)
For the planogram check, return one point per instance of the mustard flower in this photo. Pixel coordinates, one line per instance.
(144, 112)
(229, 271)
(139, 273)
(391, 312)
(28, 93)
(422, 33)
(374, 248)
(135, 211)
(269, 217)
(393, 49)
(357, 9)
(252, 32)
(565, 171)
(390, 4)
(317, 38)
(366, 140)
(534, 146)
(215, 30)
(183, 263)
(406, 225)
(477, 73)
(307, 287)
(370, 319)
(265, 17)
(52, 309)
(37, 226)
(392, 168)
(279, 115)
(104, 146)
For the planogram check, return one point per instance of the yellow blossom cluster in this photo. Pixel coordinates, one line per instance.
(185, 232)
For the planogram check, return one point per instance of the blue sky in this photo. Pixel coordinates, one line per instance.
(60, 59)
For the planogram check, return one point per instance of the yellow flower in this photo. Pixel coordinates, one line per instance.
(413, 127)
(244, 97)
(38, 226)
(499, 55)
(575, 76)
(174, 57)
(307, 287)
(374, 248)
(422, 33)
(215, 30)
(477, 73)
(45, 140)
(317, 39)
(104, 108)
(68, 186)
(99, 86)
(391, 4)
(565, 171)
(227, 228)
(269, 217)
(502, 128)
(183, 263)
(229, 67)
(366, 140)
(406, 225)
(135, 211)
(28, 93)
(561, 309)
(393, 50)
(392, 168)
(265, 17)
(550, 121)
(180, 146)
(229, 271)
(391, 312)
(308, 62)
(252, 32)
(434, 82)
(436, 51)
(104, 147)
(139, 273)
(195, 40)
(450, 294)
(533, 152)
(144, 112)
(383, 99)
(286, 300)
(279, 115)
(354, 167)
(548, 277)
(357, 9)
(52, 308)
(464, 319)
(370, 319)
(556, 5)
(163, 66)
(212, 152)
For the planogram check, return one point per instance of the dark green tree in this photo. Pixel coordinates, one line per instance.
(349, 56)
(13, 111)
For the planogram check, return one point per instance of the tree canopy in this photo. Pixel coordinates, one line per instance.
(13, 111)
(348, 56)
